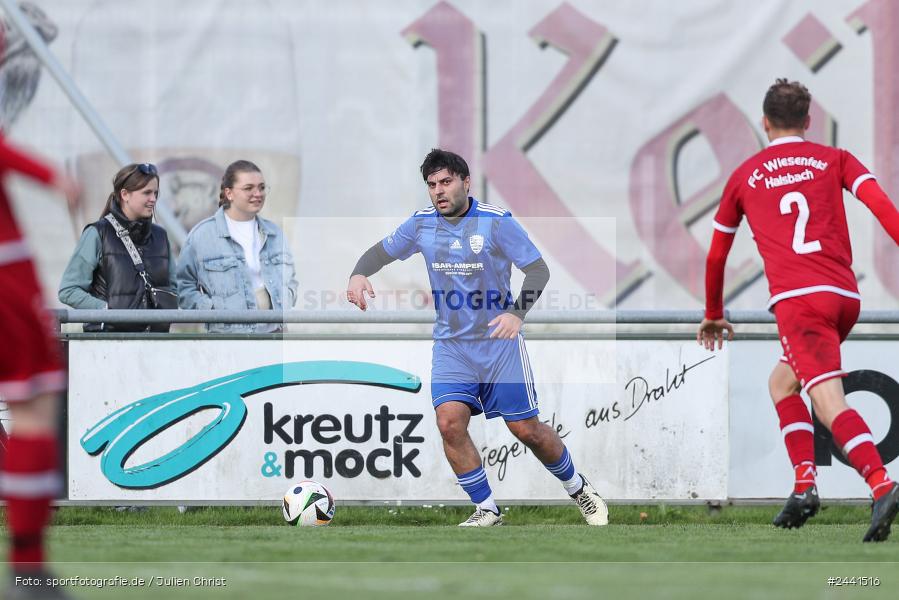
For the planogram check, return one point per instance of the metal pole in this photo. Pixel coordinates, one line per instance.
(171, 223)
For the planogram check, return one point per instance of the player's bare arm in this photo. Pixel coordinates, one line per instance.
(20, 162)
(69, 188)
(357, 289)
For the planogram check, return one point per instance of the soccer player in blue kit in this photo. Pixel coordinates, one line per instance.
(479, 364)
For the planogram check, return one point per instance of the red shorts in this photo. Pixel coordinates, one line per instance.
(30, 361)
(811, 329)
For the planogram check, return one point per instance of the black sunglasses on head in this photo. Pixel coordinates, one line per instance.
(145, 168)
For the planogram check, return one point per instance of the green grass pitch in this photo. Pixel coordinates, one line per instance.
(418, 552)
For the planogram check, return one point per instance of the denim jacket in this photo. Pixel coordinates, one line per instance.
(213, 274)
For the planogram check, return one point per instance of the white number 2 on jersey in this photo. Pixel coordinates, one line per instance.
(800, 246)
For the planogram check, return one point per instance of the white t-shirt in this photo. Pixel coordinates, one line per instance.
(246, 233)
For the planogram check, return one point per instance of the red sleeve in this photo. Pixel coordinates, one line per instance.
(730, 212)
(873, 196)
(853, 172)
(12, 159)
(714, 274)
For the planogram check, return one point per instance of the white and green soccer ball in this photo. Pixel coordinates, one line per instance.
(308, 503)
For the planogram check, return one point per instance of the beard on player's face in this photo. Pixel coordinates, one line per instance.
(451, 202)
(456, 204)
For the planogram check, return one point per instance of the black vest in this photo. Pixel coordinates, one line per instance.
(116, 280)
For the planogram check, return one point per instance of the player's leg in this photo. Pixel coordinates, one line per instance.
(29, 477)
(31, 377)
(798, 435)
(850, 432)
(829, 401)
(795, 425)
(455, 400)
(826, 320)
(852, 435)
(452, 421)
(510, 393)
(549, 449)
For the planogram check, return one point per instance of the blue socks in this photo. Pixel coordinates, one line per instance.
(478, 489)
(564, 470)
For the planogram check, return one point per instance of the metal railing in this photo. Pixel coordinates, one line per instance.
(542, 317)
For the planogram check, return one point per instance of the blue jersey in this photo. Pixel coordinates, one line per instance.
(469, 264)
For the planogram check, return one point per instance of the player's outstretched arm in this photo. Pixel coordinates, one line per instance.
(873, 196)
(374, 259)
(69, 188)
(32, 167)
(713, 326)
(356, 290)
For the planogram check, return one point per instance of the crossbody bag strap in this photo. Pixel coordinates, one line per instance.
(130, 247)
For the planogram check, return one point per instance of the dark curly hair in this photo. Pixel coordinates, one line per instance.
(786, 104)
(438, 159)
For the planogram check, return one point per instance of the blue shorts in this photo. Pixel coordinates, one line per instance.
(490, 376)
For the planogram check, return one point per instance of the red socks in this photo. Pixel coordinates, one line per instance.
(799, 438)
(853, 437)
(28, 481)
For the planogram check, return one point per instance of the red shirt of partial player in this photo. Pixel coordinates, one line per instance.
(792, 196)
(13, 160)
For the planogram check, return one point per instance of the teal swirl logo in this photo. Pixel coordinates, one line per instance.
(122, 432)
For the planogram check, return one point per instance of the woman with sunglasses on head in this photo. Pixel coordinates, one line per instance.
(235, 259)
(102, 274)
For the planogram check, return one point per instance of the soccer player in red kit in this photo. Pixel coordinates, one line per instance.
(31, 378)
(792, 195)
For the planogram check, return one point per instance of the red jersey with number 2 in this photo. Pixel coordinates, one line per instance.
(792, 195)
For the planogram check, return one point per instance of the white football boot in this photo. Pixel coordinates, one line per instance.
(592, 506)
(482, 518)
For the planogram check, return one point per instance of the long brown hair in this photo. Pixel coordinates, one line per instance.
(238, 166)
(129, 178)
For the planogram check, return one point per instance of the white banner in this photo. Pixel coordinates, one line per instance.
(220, 420)
(564, 110)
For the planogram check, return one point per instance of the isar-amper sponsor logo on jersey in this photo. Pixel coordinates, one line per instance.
(457, 268)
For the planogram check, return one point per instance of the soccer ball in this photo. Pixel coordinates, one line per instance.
(308, 503)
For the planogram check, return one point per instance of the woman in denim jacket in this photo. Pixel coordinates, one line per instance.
(235, 259)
